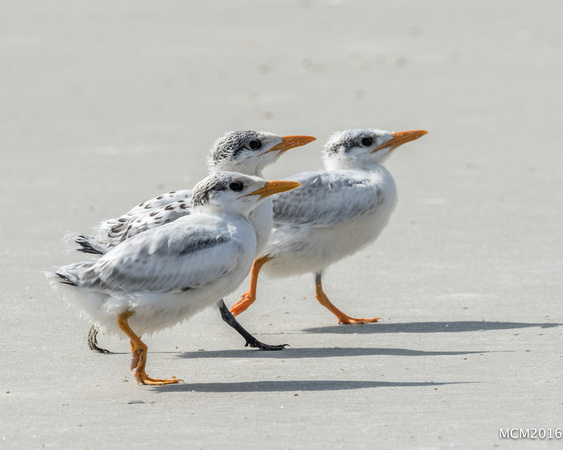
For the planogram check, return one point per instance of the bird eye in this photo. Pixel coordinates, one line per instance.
(366, 141)
(254, 145)
(236, 186)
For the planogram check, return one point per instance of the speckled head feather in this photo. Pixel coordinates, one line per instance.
(229, 146)
(233, 185)
(344, 141)
(354, 149)
(206, 188)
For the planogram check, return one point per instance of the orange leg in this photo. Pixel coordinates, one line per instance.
(139, 351)
(136, 354)
(250, 297)
(323, 300)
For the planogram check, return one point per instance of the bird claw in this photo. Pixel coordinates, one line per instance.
(346, 320)
(242, 305)
(93, 341)
(143, 378)
(101, 350)
(265, 347)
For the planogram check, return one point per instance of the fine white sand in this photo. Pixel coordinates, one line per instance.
(105, 104)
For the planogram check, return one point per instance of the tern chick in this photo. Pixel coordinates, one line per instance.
(165, 275)
(247, 152)
(334, 214)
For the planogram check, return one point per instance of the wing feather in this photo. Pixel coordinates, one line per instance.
(177, 257)
(327, 199)
(150, 214)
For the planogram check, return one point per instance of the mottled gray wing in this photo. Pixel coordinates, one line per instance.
(326, 199)
(177, 257)
(153, 213)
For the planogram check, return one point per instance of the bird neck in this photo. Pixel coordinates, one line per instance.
(351, 164)
(210, 209)
(240, 169)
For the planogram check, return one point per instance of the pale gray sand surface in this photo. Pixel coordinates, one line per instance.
(105, 104)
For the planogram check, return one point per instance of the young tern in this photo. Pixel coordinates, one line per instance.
(165, 275)
(334, 214)
(247, 152)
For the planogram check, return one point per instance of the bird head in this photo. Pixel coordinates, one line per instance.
(230, 192)
(249, 152)
(362, 148)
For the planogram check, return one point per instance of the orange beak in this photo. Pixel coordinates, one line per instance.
(291, 142)
(401, 137)
(274, 187)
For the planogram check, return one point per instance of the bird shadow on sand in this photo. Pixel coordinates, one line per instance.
(426, 327)
(330, 352)
(291, 386)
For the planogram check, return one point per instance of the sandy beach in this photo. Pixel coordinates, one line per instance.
(106, 104)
